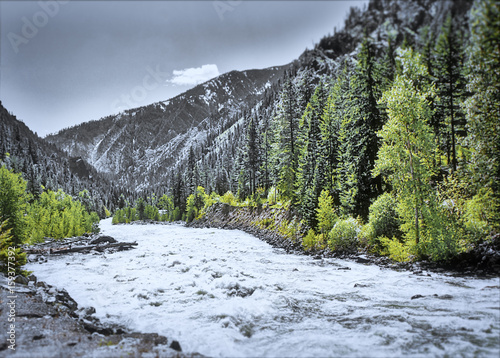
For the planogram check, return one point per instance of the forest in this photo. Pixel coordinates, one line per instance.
(396, 151)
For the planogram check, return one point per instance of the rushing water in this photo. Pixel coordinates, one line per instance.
(226, 293)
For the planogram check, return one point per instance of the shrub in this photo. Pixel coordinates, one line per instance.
(395, 249)
(313, 241)
(383, 217)
(228, 198)
(480, 212)
(326, 215)
(273, 196)
(344, 235)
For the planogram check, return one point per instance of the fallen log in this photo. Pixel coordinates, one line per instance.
(119, 246)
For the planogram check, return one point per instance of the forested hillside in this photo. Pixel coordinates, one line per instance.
(138, 147)
(46, 167)
(384, 136)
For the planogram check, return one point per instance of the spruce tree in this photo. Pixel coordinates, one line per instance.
(450, 85)
(483, 106)
(358, 139)
(253, 155)
(285, 151)
(309, 181)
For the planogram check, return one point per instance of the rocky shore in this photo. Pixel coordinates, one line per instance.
(483, 260)
(39, 320)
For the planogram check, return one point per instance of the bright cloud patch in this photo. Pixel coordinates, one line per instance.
(194, 76)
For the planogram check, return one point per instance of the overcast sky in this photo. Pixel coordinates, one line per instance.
(67, 62)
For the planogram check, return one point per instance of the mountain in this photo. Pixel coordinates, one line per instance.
(200, 137)
(43, 164)
(138, 145)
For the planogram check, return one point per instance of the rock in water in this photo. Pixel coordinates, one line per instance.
(102, 239)
(176, 346)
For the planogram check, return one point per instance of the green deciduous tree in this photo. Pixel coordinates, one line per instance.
(408, 147)
(11, 257)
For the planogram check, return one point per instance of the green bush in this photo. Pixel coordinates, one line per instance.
(228, 198)
(326, 215)
(480, 212)
(273, 197)
(11, 257)
(383, 217)
(395, 249)
(344, 235)
(312, 241)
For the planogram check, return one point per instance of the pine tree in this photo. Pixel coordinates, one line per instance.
(191, 171)
(450, 85)
(266, 147)
(285, 151)
(309, 181)
(253, 155)
(330, 128)
(483, 106)
(358, 139)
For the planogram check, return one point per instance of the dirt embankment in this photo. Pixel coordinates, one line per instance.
(278, 227)
(281, 228)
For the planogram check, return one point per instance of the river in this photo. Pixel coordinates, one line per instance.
(226, 293)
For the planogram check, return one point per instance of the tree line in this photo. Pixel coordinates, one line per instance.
(399, 147)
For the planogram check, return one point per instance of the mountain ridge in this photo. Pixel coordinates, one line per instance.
(119, 143)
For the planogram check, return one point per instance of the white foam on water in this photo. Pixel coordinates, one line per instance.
(227, 293)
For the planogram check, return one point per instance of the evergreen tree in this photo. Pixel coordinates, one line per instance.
(285, 151)
(330, 128)
(253, 155)
(450, 84)
(266, 147)
(358, 139)
(191, 171)
(310, 180)
(13, 201)
(483, 106)
(140, 207)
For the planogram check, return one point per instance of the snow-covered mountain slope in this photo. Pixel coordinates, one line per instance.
(140, 143)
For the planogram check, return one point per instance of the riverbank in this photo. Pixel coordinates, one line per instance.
(42, 321)
(228, 293)
(281, 229)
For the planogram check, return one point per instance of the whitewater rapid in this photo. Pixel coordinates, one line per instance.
(226, 293)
